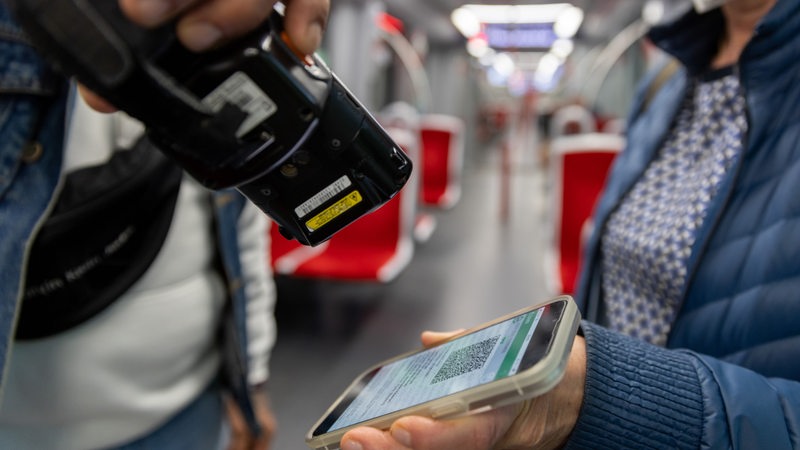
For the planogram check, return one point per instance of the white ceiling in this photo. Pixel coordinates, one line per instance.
(603, 18)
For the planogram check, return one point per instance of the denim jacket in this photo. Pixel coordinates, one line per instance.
(32, 109)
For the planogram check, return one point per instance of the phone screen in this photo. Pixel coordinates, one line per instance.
(482, 356)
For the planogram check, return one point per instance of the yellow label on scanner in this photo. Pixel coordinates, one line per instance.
(334, 211)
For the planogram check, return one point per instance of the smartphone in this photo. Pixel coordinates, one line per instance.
(515, 357)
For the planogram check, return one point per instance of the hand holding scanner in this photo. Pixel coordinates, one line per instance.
(252, 115)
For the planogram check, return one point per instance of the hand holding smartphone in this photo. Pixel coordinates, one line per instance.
(510, 359)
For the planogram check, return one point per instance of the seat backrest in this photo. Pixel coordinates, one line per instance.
(579, 166)
(399, 115)
(572, 119)
(442, 158)
(615, 126)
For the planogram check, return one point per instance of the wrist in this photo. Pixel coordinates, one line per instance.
(568, 394)
(546, 422)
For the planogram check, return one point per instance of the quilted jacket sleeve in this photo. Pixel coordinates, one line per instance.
(642, 396)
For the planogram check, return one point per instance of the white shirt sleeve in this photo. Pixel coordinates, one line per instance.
(259, 289)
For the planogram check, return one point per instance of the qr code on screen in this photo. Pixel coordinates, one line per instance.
(466, 359)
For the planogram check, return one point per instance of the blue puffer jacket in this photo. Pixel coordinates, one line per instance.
(734, 381)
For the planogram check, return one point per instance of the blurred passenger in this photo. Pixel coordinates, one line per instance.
(692, 284)
(135, 308)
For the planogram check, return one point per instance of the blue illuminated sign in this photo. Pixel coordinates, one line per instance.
(522, 36)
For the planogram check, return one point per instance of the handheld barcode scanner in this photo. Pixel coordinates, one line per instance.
(253, 115)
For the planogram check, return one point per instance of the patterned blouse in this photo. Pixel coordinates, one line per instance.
(648, 239)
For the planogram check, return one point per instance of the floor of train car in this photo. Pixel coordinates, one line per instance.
(475, 267)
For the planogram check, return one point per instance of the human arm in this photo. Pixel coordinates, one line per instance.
(259, 290)
(241, 436)
(636, 396)
(536, 420)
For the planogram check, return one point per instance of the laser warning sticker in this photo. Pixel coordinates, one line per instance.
(335, 210)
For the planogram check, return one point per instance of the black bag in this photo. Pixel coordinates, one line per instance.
(108, 225)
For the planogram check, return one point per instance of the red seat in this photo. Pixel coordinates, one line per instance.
(579, 167)
(376, 247)
(442, 139)
(572, 119)
(402, 116)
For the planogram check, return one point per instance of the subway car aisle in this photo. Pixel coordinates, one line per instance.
(475, 267)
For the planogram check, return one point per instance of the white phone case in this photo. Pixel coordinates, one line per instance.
(540, 378)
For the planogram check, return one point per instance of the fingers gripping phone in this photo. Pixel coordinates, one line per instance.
(513, 358)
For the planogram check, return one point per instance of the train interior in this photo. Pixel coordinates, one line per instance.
(512, 114)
